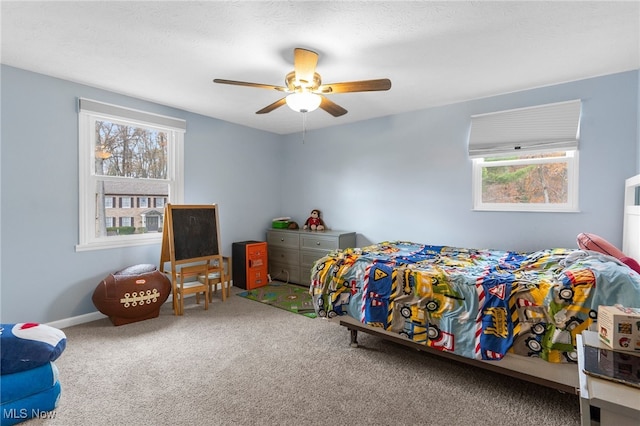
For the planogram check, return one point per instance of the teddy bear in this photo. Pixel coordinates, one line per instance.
(314, 222)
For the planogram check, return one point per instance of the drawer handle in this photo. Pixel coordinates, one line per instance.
(317, 243)
(281, 239)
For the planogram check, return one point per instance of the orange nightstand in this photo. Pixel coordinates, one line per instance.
(250, 264)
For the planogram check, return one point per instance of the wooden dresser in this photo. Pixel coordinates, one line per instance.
(293, 252)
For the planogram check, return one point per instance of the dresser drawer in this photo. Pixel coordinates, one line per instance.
(284, 256)
(255, 251)
(308, 258)
(283, 239)
(318, 242)
(305, 272)
(257, 277)
(282, 272)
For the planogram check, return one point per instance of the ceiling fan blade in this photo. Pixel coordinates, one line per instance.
(332, 107)
(304, 64)
(271, 107)
(356, 86)
(244, 83)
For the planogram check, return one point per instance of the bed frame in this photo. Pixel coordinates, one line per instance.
(631, 235)
(561, 376)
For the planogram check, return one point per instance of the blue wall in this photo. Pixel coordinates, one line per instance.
(399, 177)
(42, 277)
(408, 176)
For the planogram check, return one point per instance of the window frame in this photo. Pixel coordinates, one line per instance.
(571, 206)
(87, 117)
(125, 202)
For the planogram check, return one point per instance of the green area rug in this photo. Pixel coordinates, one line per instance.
(292, 298)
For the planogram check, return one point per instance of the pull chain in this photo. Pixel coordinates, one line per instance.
(304, 125)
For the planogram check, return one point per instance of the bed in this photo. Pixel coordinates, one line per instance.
(511, 312)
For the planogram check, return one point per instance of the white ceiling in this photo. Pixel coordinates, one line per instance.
(435, 53)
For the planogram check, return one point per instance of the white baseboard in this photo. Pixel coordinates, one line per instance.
(80, 319)
(94, 316)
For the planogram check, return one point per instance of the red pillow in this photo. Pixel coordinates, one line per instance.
(631, 263)
(599, 244)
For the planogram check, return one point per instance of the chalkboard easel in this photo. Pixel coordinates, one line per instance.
(190, 239)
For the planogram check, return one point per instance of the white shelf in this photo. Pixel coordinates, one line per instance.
(618, 403)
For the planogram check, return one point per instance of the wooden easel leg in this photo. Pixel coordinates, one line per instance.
(207, 289)
(174, 289)
(223, 280)
(176, 302)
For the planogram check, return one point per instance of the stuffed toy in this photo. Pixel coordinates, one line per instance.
(292, 225)
(314, 222)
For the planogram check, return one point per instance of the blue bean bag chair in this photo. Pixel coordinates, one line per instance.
(29, 385)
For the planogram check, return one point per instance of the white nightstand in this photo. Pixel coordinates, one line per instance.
(619, 404)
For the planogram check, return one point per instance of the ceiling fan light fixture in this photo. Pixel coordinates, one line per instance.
(303, 101)
(305, 89)
(102, 153)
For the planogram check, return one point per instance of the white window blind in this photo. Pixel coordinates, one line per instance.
(542, 127)
(88, 105)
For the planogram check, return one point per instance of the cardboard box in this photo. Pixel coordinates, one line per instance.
(619, 327)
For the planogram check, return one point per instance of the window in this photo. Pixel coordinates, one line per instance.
(125, 154)
(526, 159)
(530, 182)
(143, 202)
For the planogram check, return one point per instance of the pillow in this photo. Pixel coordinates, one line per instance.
(599, 244)
(24, 346)
(631, 263)
(595, 243)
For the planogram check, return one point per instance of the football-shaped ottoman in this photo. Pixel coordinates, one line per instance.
(132, 294)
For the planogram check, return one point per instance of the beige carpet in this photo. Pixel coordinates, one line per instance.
(245, 363)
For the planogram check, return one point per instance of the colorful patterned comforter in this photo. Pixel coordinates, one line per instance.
(479, 304)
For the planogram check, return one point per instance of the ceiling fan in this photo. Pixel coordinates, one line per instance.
(305, 89)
